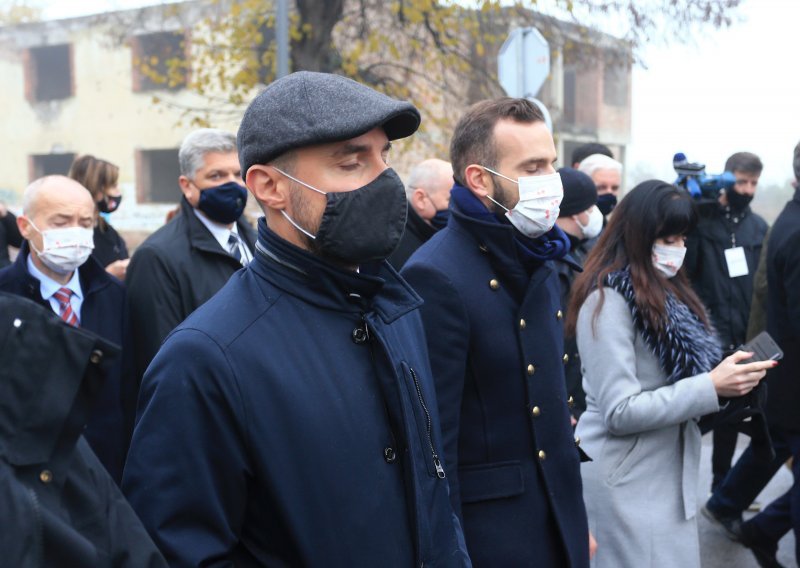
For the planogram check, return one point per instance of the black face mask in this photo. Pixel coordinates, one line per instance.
(737, 201)
(109, 203)
(439, 221)
(606, 203)
(361, 225)
(223, 203)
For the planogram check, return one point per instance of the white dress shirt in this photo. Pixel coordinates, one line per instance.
(48, 287)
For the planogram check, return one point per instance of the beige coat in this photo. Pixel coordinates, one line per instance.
(642, 433)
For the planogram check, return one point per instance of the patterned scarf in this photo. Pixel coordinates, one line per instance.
(685, 347)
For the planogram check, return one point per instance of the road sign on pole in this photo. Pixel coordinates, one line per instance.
(523, 65)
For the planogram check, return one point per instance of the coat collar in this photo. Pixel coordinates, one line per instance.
(45, 402)
(201, 238)
(303, 275)
(418, 226)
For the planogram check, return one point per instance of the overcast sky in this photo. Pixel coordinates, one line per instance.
(730, 90)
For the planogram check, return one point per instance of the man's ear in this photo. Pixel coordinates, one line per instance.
(478, 180)
(264, 183)
(25, 227)
(186, 186)
(418, 197)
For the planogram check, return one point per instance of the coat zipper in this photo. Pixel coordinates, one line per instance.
(39, 529)
(437, 463)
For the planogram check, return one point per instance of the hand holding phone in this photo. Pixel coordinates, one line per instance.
(763, 348)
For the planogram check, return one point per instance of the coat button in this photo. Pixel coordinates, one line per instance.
(559, 315)
(17, 322)
(494, 284)
(389, 454)
(536, 411)
(531, 369)
(522, 324)
(577, 440)
(359, 335)
(46, 476)
(570, 401)
(542, 455)
(565, 358)
(96, 356)
(483, 248)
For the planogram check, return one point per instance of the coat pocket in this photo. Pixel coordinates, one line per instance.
(490, 481)
(624, 465)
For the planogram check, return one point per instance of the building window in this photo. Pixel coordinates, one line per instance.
(50, 164)
(615, 84)
(157, 173)
(159, 61)
(48, 73)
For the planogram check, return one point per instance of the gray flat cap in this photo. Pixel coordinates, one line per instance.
(307, 108)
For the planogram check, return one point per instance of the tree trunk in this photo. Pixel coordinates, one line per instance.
(314, 51)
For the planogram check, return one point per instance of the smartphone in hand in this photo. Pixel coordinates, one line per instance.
(763, 348)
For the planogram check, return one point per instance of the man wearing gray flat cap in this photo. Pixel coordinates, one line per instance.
(291, 420)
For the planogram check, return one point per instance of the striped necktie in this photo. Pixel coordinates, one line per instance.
(65, 310)
(233, 247)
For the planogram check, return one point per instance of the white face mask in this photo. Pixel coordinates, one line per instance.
(64, 250)
(668, 259)
(591, 229)
(538, 206)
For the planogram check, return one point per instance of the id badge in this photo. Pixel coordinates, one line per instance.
(737, 263)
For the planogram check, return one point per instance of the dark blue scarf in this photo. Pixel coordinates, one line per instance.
(553, 245)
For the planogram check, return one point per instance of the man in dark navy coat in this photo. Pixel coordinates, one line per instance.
(494, 330)
(54, 269)
(291, 420)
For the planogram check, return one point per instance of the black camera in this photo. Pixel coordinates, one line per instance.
(693, 178)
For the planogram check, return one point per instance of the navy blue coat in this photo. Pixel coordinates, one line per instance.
(291, 421)
(103, 312)
(495, 338)
(783, 316)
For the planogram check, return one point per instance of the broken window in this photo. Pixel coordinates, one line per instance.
(157, 173)
(48, 73)
(159, 61)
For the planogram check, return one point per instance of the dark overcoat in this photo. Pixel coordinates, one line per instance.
(59, 507)
(103, 312)
(783, 316)
(292, 421)
(495, 338)
(171, 274)
(416, 232)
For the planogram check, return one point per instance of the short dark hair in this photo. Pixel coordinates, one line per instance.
(473, 139)
(583, 151)
(796, 162)
(745, 162)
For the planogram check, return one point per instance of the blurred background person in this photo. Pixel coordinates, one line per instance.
(650, 370)
(100, 178)
(583, 151)
(428, 193)
(606, 173)
(9, 234)
(582, 222)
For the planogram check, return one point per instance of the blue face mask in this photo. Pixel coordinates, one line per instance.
(223, 203)
(606, 203)
(439, 221)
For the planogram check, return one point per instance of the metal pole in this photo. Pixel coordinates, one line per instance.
(282, 36)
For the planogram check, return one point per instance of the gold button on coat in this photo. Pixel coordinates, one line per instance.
(531, 369)
(565, 358)
(522, 324)
(494, 284)
(577, 440)
(483, 248)
(96, 356)
(559, 315)
(536, 411)
(542, 455)
(46, 476)
(570, 401)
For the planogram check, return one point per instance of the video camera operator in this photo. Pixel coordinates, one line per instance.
(721, 259)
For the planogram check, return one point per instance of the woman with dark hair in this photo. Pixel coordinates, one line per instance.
(100, 178)
(651, 369)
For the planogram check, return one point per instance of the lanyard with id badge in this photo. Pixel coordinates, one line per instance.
(736, 260)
